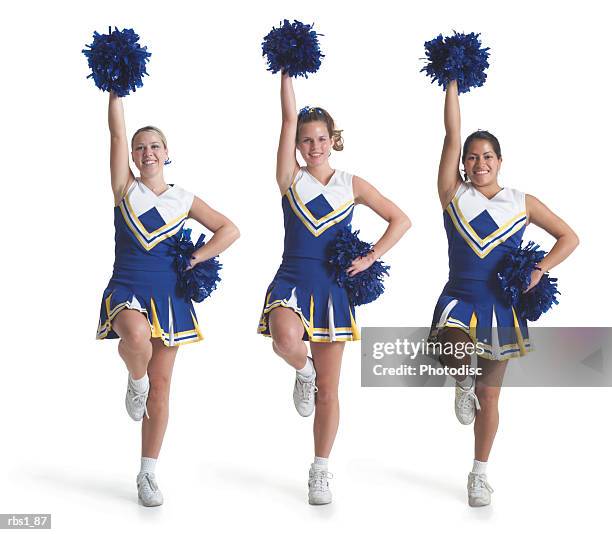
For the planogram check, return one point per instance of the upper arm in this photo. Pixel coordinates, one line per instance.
(369, 196)
(206, 216)
(286, 163)
(540, 215)
(121, 174)
(449, 178)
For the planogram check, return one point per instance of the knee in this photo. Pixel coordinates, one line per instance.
(137, 336)
(327, 393)
(286, 340)
(488, 396)
(454, 360)
(159, 389)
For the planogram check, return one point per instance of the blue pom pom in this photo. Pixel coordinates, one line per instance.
(457, 57)
(366, 286)
(200, 281)
(117, 61)
(293, 48)
(515, 276)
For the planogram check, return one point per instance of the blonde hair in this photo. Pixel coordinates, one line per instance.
(310, 115)
(151, 129)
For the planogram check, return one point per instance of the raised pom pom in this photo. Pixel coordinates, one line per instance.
(366, 286)
(200, 281)
(515, 276)
(117, 61)
(293, 48)
(457, 57)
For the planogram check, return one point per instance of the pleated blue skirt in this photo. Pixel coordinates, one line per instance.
(478, 308)
(171, 317)
(307, 287)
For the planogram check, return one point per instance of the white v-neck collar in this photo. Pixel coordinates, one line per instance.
(318, 181)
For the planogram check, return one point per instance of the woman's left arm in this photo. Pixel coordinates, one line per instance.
(224, 231)
(540, 215)
(398, 221)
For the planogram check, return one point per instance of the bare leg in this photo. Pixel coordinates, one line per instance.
(327, 360)
(160, 372)
(135, 345)
(458, 338)
(287, 331)
(488, 388)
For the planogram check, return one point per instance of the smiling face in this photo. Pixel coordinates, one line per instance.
(149, 153)
(314, 143)
(481, 162)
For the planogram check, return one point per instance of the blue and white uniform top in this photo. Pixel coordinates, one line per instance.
(144, 222)
(311, 210)
(144, 275)
(480, 232)
(313, 216)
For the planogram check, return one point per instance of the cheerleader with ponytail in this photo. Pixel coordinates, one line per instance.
(326, 270)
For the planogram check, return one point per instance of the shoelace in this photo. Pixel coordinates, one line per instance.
(140, 398)
(479, 481)
(152, 487)
(308, 389)
(466, 397)
(318, 480)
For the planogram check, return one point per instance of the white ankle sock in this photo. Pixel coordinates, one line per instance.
(147, 464)
(308, 370)
(480, 467)
(466, 383)
(320, 463)
(140, 385)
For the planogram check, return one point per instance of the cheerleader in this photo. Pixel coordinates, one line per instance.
(142, 305)
(483, 221)
(304, 302)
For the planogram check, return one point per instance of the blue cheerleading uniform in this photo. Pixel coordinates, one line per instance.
(144, 276)
(313, 215)
(480, 231)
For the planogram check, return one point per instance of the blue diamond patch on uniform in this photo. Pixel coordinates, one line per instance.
(483, 224)
(319, 207)
(152, 220)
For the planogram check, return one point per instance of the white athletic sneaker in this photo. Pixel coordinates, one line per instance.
(304, 394)
(318, 487)
(149, 494)
(136, 402)
(466, 403)
(479, 490)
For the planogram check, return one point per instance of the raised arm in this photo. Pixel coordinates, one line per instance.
(121, 174)
(567, 240)
(286, 162)
(449, 177)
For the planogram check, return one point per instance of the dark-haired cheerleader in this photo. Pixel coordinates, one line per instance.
(484, 222)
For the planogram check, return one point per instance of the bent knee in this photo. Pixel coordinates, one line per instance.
(286, 340)
(137, 335)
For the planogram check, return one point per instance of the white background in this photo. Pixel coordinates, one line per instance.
(236, 455)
